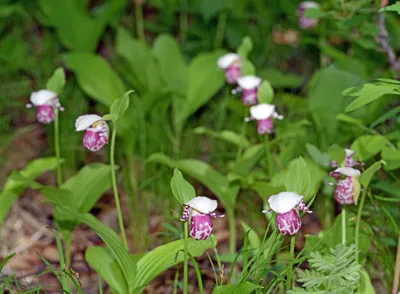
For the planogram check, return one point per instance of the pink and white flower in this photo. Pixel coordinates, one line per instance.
(231, 63)
(348, 160)
(45, 102)
(263, 114)
(199, 211)
(348, 187)
(304, 22)
(287, 205)
(96, 131)
(249, 86)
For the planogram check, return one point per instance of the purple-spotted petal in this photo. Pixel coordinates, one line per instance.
(288, 223)
(264, 126)
(344, 192)
(200, 227)
(232, 73)
(95, 138)
(45, 114)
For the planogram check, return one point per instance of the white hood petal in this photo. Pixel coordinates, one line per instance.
(85, 121)
(227, 60)
(262, 111)
(203, 204)
(309, 4)
(349, 152)
(348, 171)
(42, 97)
(284, 201)
(249, 82)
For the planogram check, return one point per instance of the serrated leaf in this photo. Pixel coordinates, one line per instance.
(119, 106)
(265, 93)
(56, 82)
(182, 189)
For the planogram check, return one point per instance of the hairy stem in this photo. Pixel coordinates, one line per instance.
(185, 264)
(358, 221)
(115, 188)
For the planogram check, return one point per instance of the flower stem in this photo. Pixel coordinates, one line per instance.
(396, 279)
(57, 147)
(343, 225)
(219, 37)
(232, 231)
(139, 20)
(115, 188)
(358, 221)
(270, 158)
(290, 268)
(185, 262)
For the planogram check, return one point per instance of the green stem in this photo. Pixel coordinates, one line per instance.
(57, 147)
(67, 248)
(183, 20)
(185, 264)
(358, 221)
(139, 20)
(396, 279)
(115, 188)
(290, 268)
(343, 225)
(270, 158)
(219, 37)
(243, 134)
(232, 231)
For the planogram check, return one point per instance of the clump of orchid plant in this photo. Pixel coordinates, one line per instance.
(287, 206)
(231, 63)
(263, 114)
(46, 102)
(96, 131)
(304, 22)
(199, 212)
(348, 186)
(248, 85)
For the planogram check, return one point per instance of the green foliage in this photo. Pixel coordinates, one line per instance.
(265, 93)
(119, 106)
(245, 47)
(225, 135)
(337, 272)
(367, 175)
(368, 146)
(244, 287)
(298, 178)
(182, 190)
(56, 82)
(394, 7)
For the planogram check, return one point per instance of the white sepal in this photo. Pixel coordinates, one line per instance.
(42, 97)
(348, 171)
(85, 121)
(284, 201)
(203, 204)
(249, 82)
(262, 111)
(227, 60)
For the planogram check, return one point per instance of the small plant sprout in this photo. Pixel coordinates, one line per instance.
(199, 211)
(96, 131)
(304, 22)
(231, 63)
(249, 86)
(45, 102)
(263, 114)
(287, 206)
(348, 188)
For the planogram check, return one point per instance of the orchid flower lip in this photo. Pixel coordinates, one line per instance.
(249, 82)
(348, 171)
(227, 60)
(202, 204)
(85, 121)
(262, 111)
(42, 97)
(284, 201)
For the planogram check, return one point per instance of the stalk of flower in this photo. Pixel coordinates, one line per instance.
(46, 102)
(248, 85)
(263, 114)
(199, 212)
(231, 63)
(287, 206)
(96, 131)
(304, 22)
(348, 187)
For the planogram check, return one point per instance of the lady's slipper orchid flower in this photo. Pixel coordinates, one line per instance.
(264, 113)
(304, 22)
(287, 205)
(231, 63)
(249, 86)
(347, 189)
(348, 160)
(45, 102)
(199, 211)
(96, 131)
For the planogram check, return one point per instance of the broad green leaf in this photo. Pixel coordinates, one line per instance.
(265, 93)
(248, 69)
(181, 188)
(249, 159)
(205, 174)
(56, 82)
(337, 153)
(321, 158)
(391, 157)
(351, 120)
(106, 266)
(245, 47)
(265, 190)
(109, 237)
(298, 178)
(210, 8)
(254, 239)
(13, 189)
(95, 76)
(368, 93)
(386, 116)
(88, 185)
(119, 106)
(365, 286)
(226, 135)
(367, 146)
(163, 257)
(279, 79)
(241, 288)
(367, 175)
(394, 7)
